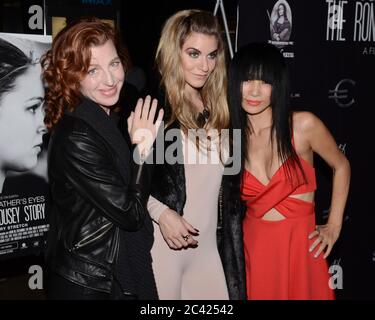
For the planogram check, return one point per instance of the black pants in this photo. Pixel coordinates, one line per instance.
(59, 288)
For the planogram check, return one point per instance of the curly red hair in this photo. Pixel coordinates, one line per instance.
(68, 61)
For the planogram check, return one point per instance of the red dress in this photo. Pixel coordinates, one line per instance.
(278, 262)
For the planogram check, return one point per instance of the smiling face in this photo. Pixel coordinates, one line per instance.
(256, 96)
(198, 58)
(105, 76)
(21, 122)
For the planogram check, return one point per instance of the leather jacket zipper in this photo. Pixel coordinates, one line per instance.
(112, 255)
(93, 236)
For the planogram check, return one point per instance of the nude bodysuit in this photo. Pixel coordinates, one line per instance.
(192, 273)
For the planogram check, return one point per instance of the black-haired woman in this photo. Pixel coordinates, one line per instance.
(283, 247)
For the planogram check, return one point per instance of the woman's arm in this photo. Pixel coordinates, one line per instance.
(323, 143)
(155, 208)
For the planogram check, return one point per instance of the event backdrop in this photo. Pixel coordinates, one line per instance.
(330, 49)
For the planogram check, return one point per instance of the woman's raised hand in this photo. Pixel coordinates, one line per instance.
(141, 126)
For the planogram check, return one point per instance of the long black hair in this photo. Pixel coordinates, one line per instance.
(263, 61)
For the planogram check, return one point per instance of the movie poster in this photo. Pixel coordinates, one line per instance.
(23, 145)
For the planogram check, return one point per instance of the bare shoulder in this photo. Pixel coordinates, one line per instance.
(304, 121)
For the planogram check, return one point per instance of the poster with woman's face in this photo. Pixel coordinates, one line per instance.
(281, 22)
(23, 163)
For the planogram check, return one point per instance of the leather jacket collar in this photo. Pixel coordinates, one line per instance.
(90, 112)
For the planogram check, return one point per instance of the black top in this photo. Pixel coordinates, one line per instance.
(100, 231)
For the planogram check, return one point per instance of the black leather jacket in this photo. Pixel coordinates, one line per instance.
(97, 193)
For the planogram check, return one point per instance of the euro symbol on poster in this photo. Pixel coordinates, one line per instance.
(340, 95)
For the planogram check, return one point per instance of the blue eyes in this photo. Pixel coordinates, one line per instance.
(91, 72)
(94, 71)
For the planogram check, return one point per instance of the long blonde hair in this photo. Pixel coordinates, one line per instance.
(168, 59)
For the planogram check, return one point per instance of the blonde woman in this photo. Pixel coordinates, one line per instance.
(185, 190)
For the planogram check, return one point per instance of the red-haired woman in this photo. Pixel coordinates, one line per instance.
(100, 233)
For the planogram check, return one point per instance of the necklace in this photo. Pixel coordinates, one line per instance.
(203, 117)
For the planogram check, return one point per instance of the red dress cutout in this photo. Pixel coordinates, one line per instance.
(278, 262)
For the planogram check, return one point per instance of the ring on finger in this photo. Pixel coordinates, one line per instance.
(186, 238)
